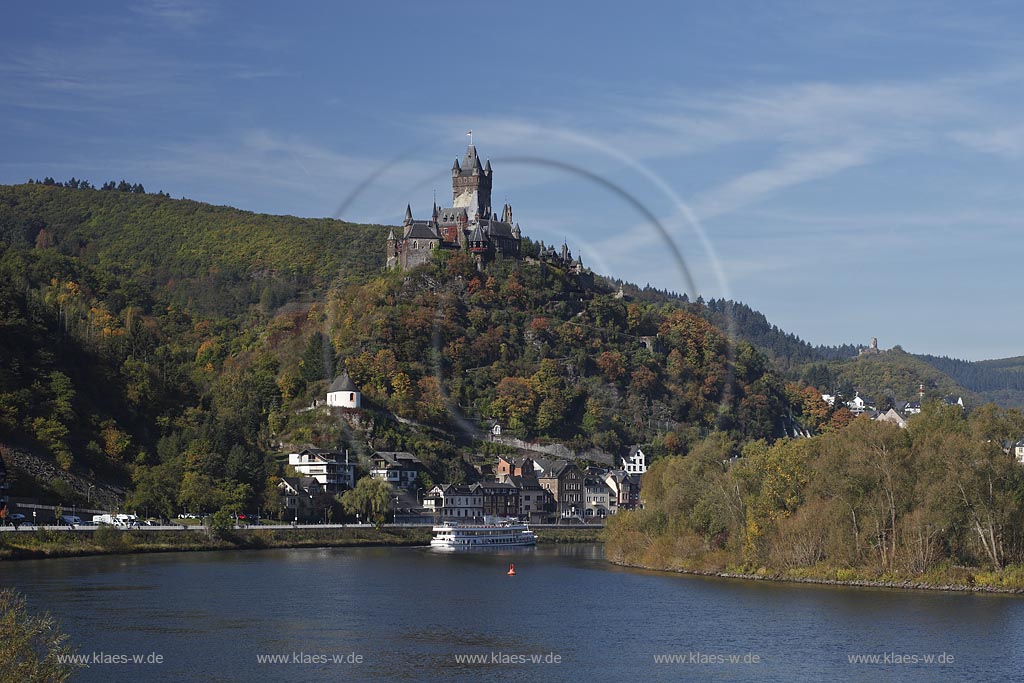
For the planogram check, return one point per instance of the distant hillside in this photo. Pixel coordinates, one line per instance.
(1000, 381)
(888, 374)
(735, 318)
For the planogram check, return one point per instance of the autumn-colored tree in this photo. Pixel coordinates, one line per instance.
(515, 403)
(612, 365)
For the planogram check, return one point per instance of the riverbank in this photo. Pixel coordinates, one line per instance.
(46, 543)
(973, 580)
(107, 541)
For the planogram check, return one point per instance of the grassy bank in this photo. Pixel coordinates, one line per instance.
(44, 543)
(570, 535)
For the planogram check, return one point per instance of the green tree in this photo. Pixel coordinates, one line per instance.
(33, 649)
(312, 364)
(155, 489)
(371, 498)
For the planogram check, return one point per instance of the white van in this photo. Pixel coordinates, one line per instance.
(121, 521)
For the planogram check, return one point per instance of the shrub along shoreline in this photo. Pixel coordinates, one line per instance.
(957, 580)
(44, 543)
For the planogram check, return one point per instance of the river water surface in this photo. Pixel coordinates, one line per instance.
(410, 614)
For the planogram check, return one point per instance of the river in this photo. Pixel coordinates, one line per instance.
(411, 614)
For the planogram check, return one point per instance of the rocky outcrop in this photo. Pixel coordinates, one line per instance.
(38, 468)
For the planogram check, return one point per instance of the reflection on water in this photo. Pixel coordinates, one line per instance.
(416, 614)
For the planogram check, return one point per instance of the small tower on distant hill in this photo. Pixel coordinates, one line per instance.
(343, 393)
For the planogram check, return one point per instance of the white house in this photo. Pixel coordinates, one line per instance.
(830, 399)
(343, 393)
(635, 463)
(1018, 451)
(954, 401)
(448, 501)
(860, 404)
(331, 468)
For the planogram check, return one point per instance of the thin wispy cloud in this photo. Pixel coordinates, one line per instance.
(181, 15)
(796, 169)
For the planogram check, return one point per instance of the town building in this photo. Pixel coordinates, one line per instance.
(469, 224)
(513, 466)
(635, 462)
(454, 501)
(892, 417)
(861, 404)
(565, 483)
(499, 499)
(953, 401)
(536, 504)
(597, 497)
(625, 490)
(398, 468)
(332, 469)
(301, 498)
(1018, 451)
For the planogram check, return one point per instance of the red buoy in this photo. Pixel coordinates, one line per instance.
(512, 569)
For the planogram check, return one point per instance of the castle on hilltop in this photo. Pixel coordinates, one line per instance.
(469, 224)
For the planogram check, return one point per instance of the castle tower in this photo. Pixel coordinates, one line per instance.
(471, 185)
(391, 250)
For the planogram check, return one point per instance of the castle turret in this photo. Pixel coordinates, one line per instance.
(471, 185)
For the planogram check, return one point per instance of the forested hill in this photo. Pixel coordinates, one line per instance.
(134, 326)
(786, 349)
(169, 345)
(215, 259)
(1000, 381)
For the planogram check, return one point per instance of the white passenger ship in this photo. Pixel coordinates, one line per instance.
(501, 533)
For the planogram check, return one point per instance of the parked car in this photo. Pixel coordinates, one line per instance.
(17, 519)
(69, 520)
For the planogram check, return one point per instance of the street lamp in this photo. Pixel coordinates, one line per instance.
(88, 493)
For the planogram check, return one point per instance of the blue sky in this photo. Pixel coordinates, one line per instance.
(849, 171)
